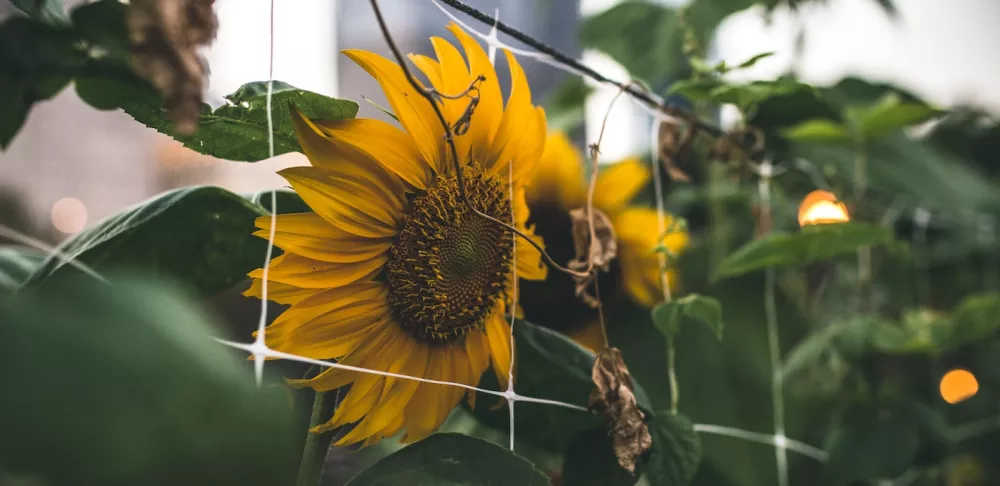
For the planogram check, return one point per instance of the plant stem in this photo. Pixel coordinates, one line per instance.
(317, 445)
(672, 375)
(865, 253)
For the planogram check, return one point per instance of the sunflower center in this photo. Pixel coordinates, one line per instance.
(448, 265)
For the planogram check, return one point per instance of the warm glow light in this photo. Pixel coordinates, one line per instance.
(69, 215)
(822, 207)
(958, 385)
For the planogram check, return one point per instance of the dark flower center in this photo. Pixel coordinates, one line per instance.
(448, 265)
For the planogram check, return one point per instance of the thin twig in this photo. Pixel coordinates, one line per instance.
(449, 138)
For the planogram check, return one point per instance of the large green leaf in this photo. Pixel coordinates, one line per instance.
(642, 36)
(812, 243)
(977, 317)
(451, 460)
(16, 265)
(590, 461)
(669, 316)
(872, 442)
(200, 236)
(238, 129)
(891, 113)
(122, 384)
(550, 366)
(676, 451)
(818, 130)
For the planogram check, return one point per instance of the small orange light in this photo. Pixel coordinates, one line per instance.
(822, 207)
(958, 385)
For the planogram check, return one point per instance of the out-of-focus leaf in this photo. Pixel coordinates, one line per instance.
(199, 236)
(102, 25)
(122, 384)
(818, 131)
(754, 59)
(890, 114)
(976, 317)
(49, 12)
(669, 316)
(451, 460)
(644, 37)
(590, 461)
(812, 243)
(16, 265)
(676, 451)
(564, 109)
(238, 130)
(550, 366)
(870, 442)
(36, 62)
(695, 89)
(748, 96)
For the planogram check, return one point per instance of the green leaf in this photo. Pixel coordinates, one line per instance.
(123, 384)
(976, 317)
(676, 451)
(102, 25)
(200, 236)
(891, 113)
(818, 131)
(753, 60)
(643, 36)
(451, 460)
(16, 265)
(870, 442)
(590, 461)
(695, 89)
(812, 243)
(850, 339)
(669, 316)
(550, 366)
(238, 130)
(748, 96)
(36, 62)
(49, 12)
(564, 108)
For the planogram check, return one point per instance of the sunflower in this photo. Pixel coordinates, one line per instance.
(559, 185)
(392, 271)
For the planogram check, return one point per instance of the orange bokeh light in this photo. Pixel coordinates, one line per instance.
(958, 385)
(822, 207)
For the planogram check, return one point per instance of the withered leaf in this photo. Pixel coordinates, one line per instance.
(591, 255)
(164, 37)
(671, 143)
(613, 396)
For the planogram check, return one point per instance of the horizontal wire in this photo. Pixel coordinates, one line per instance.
(769, 439)
(267, 352)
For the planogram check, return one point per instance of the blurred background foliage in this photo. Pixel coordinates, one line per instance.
(122, 384)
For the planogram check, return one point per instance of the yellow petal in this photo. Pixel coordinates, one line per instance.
(348, 203)
(279, 292)
(341, 158)
(619, 183)
(420, 410)
(486, 117)
(364, 393)
(559, 178)
(396, 393)
(369, 355)
(413, 110)
(455, 79)
(589, 336)
(381, 142)
(529, 260)
(520, 137)
(429, 67)
(305, 272)
(498, 332)
(309, 235)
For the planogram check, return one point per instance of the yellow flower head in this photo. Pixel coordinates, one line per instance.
(392, 271)
(559, 185)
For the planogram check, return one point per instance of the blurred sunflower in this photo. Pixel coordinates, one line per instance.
(392, 272)
(558, 186)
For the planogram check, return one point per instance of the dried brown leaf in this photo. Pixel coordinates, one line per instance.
(671, 143)
(613, 397)
(164, 37)
(591, 255)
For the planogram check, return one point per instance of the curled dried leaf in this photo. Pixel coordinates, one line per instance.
(613, 396)
(671, 142)
(591, 255)
(164, 37)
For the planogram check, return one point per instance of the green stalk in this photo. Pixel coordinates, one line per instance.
(317, 445)
(672, 375)
(865, 253)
